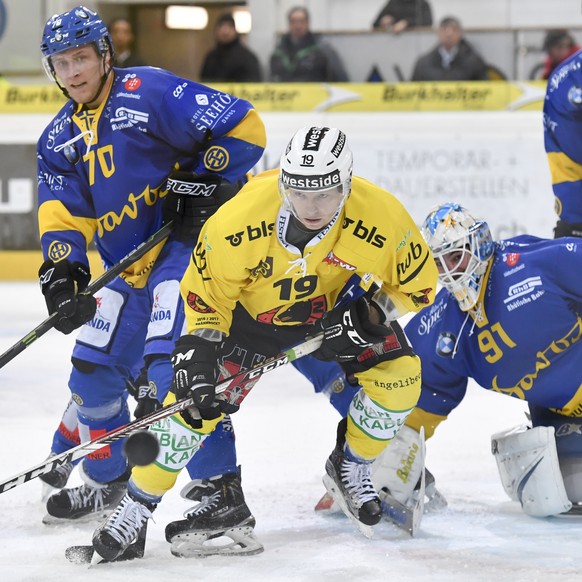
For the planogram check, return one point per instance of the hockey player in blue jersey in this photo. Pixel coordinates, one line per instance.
(562, 130)
(509, 316)
(103, 168)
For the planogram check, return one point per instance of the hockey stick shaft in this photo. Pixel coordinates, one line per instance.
(240, 379)
(95, 286)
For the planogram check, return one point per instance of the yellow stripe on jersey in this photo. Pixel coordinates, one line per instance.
(563, 168)
(251, 129)
(53, 216)
(430, 421)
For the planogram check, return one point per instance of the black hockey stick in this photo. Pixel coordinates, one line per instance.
(233, 390)
(95, 286)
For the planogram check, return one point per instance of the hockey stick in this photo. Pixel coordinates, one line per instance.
(106, 278)
(233, 390)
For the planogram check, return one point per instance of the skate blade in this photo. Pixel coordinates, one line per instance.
(98, 516)
(236, 541)
(365, 530)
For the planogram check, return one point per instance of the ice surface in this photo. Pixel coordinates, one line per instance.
(285, 433)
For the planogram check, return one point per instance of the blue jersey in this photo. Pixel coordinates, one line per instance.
(563, 136)
(102, 173)
(522, 339)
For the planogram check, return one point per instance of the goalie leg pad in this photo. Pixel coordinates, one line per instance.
(528, 466)
(399, 467)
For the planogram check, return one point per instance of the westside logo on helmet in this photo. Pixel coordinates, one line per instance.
(299, 182)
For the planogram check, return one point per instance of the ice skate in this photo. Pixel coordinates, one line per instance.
(126, 525)
(86, 502)
(348, 481)
(220, 524)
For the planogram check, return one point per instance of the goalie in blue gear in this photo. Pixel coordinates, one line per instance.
(509, 316)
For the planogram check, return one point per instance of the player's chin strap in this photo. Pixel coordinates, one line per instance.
(232, 389)
(528, 465)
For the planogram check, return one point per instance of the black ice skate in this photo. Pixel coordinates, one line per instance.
(349, 483)
(221, 523)
(85, 502)
(127, 525)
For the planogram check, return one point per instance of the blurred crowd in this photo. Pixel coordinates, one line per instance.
(303, 56)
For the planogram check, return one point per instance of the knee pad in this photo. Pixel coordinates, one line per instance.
(528, 466)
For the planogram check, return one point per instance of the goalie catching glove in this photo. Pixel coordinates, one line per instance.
(62, 285)
(346, 333)
(192, 199)
(194, 360)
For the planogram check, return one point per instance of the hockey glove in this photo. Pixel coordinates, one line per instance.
(191, 200)
(62, 285)
(145, 393)
(346, 333)
(194, 360)
(564, 228)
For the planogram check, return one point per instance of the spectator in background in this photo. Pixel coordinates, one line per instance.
(301, 57)
(230, 60)
(399, 15)
(558, 45)
(453, 59)
(122, 36)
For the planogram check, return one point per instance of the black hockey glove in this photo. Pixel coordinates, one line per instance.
(194, 360)
(62, 285)
(191, 200)
(564, 228)
(145, 394)
(346, 333)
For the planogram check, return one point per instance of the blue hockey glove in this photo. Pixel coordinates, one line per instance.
(62, 285)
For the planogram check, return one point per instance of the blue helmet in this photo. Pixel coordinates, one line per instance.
(75, 28)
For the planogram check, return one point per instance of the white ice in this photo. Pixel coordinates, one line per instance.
(285, 433)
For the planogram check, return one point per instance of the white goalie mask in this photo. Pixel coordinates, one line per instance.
(317, 159)
(462, 247)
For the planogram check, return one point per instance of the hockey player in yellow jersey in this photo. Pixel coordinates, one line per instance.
(304, 250)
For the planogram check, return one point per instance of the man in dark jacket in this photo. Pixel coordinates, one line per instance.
(301, 57)
(453, 59)
(399, 15)
(230, 60)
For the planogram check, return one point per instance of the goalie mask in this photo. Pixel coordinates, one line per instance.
(315, 177)
(462, 247)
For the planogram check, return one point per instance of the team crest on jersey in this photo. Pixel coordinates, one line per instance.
(216, 158)
(420, 298)
(445, 344)
(263, 269)
(58, 250)
(196, 303)
(300, 313)
(335, 261)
